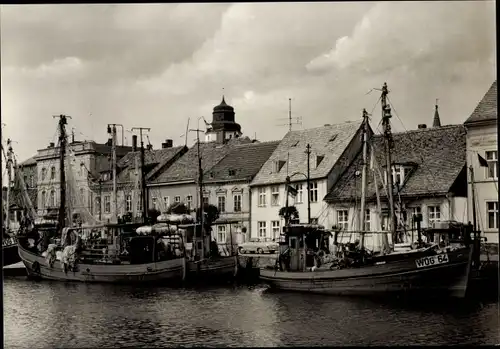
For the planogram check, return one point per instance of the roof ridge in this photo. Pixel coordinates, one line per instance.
(329, 125)
(425, 129)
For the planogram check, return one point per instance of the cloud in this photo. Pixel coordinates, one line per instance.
(156, 65)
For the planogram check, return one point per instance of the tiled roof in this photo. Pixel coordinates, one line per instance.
(437, 154)
(186, 167)
(153, 159)
(241, 163)
(328, 141)
(31, 161)
(487, 108)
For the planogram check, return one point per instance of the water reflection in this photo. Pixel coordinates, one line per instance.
(86, 315)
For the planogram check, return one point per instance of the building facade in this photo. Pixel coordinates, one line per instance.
(429, 177)
(226, 185)
(482, 131)
(332, 149)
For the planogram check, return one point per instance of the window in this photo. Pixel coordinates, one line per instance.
(82, 170)
(491, 157)
(154, 203)
(53, 198)
(177, 199)
(189, 201)
(275, 196)
(82, 196)
(237, 202)
(262, 229)
(139, 202)
(52, 172)
(107, 204)
(314, 191)
(414, 211)
(275, 228)
(43, 202)
(492, 211)
(367, 221)
(221, 233)
(206, 201)
(98, 204)
(434, 214)
(166, 202)
(128, 203)
(44, 173)
(221, 203)
(300, 192)
(343, 219)
(232, 172)
(262, 197)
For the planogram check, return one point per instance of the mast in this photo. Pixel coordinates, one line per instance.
(112, 130)
(62, 172)
(200, 188)
(388, 142)
(474, 217)
(144, 197)
(9, 174)
(363, 177)
(308, 152)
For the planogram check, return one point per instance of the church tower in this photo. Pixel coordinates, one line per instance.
(223, 126)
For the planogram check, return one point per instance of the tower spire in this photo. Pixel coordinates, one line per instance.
(437, 120)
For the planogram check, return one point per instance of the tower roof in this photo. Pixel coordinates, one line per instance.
(437, 120)
(223, 106)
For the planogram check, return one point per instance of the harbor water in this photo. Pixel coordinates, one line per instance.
(77, 315)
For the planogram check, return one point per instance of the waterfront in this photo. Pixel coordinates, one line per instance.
(77, 315)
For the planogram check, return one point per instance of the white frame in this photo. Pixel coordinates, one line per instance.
(313, 191)
(262, 225)
(240, 202)
(275, 195)
(493, 160)
(344, 224)
(495, 213)
(219, 197)
(275, 226)
(262, 192)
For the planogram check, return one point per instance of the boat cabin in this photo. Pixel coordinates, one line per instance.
(198, 245)
(448, 233)
(302, 243)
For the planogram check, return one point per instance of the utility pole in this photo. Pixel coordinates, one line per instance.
(62, 141)
(363, 177)
(143, 177)
(389, 143)
(308, 152)
(200, 184)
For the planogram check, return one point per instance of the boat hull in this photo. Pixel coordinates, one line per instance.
(10, 255)
(221, 269)
(165, 271)
(449, 279)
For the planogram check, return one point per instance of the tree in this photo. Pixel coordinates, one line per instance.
(178, 208)
(153, 216)
(211, 214)
(289, 212)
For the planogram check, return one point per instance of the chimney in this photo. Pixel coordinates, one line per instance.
(51, 145)
(168, 144)
(134, 143)
(422, 126)
(437, 121)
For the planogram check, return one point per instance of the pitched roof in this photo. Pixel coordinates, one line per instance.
(244, 161)
(487, 107)
(153, 160)
(29, 162)
(437, 156)
(327, 141)
(186, 167)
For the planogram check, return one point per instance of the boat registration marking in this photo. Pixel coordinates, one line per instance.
(432, 260)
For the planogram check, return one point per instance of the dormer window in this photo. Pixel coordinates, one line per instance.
(399, 174)
(232, 172)
(332, 138)
(294, 144)
(278, 165)
(319, 159)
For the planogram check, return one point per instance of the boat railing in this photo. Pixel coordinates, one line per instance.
(9, 241)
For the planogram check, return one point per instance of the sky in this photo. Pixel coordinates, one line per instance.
(158, 65)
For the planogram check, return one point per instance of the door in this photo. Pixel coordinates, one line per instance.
(294, 253)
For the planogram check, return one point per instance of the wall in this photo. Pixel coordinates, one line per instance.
(270, 212)
(452, 209)
(479, 140)
(171, 191)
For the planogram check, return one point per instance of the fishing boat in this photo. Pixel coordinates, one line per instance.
(77, 247)
(421, 268)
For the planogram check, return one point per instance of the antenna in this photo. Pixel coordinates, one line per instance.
(291, 121)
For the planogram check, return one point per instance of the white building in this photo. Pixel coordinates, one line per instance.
(332, 147)
(482, 141)
(429, 176)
